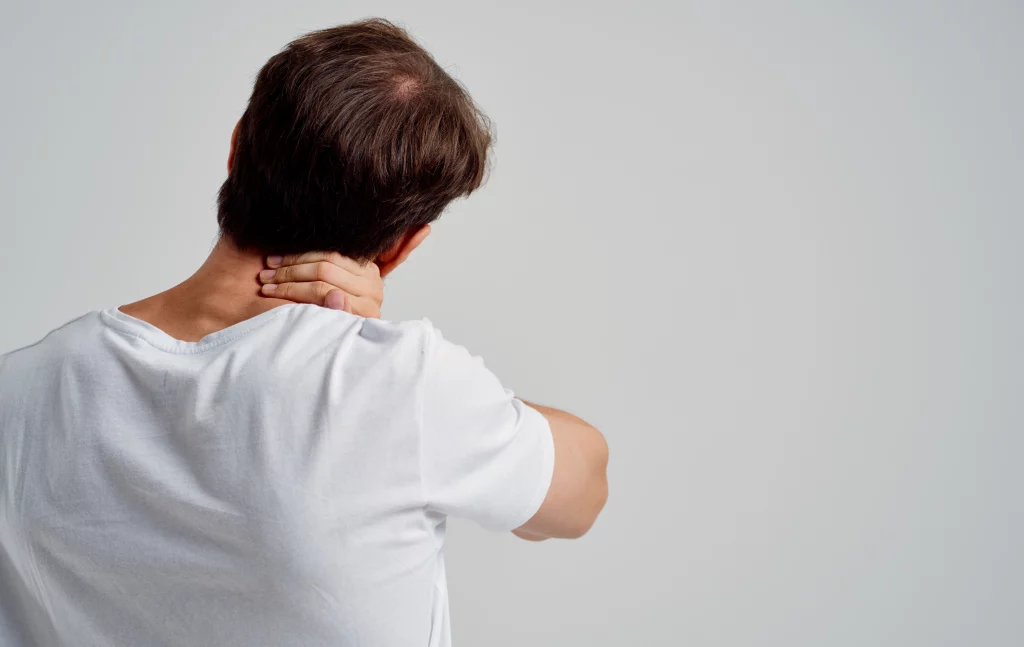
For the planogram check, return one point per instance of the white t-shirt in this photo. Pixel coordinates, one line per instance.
(284, 481)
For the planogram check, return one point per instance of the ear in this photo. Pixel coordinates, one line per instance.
(395, 256)
(234, 142)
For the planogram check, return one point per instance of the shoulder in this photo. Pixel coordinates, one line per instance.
(60, 345)
(359, 339)
(67, 335)
(316, 319)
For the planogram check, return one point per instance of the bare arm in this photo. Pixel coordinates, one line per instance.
(579, 485)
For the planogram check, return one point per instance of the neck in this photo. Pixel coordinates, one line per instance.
(224, 291)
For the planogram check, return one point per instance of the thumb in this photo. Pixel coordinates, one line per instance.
(335, 300)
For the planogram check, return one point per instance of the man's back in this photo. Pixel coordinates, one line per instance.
(282, 481)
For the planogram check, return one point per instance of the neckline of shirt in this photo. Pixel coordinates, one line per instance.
(161, 340)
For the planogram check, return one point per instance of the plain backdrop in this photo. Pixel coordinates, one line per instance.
(772, 250)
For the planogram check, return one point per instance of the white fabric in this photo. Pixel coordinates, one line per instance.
(284, 481)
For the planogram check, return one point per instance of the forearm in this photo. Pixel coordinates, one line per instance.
(528, 536)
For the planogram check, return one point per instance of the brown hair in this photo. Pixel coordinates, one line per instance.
(353, 136)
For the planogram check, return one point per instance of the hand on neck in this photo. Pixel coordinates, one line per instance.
(224, 291)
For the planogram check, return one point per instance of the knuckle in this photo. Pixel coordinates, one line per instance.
(320, 271)
(320, 289)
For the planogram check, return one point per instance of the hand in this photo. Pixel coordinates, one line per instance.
(326, 279)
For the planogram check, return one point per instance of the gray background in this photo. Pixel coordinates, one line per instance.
(773, 252)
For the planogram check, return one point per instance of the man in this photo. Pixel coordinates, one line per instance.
(230, 463)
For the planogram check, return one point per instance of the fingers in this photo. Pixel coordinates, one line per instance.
(335, 300)
(314, 292)
(326, 295)
(326, 279)
(319, 271)
(338, 300)
(334, 258)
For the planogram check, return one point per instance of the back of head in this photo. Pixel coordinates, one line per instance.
(353, 137)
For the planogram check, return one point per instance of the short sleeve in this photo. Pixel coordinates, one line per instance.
(485, 455)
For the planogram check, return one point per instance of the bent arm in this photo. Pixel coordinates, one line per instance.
(579, 484)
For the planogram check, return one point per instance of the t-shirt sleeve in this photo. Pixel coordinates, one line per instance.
(486, 456)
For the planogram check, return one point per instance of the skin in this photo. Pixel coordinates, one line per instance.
(227, 289)
(233, 285)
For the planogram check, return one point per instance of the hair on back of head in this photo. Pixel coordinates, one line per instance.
(352, 137)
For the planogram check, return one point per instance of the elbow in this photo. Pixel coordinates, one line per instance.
(588, 516)
(597, 491)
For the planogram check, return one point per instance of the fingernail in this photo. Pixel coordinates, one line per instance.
(274, 261)
(335, 300)
(270, 287)
(266, 275)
